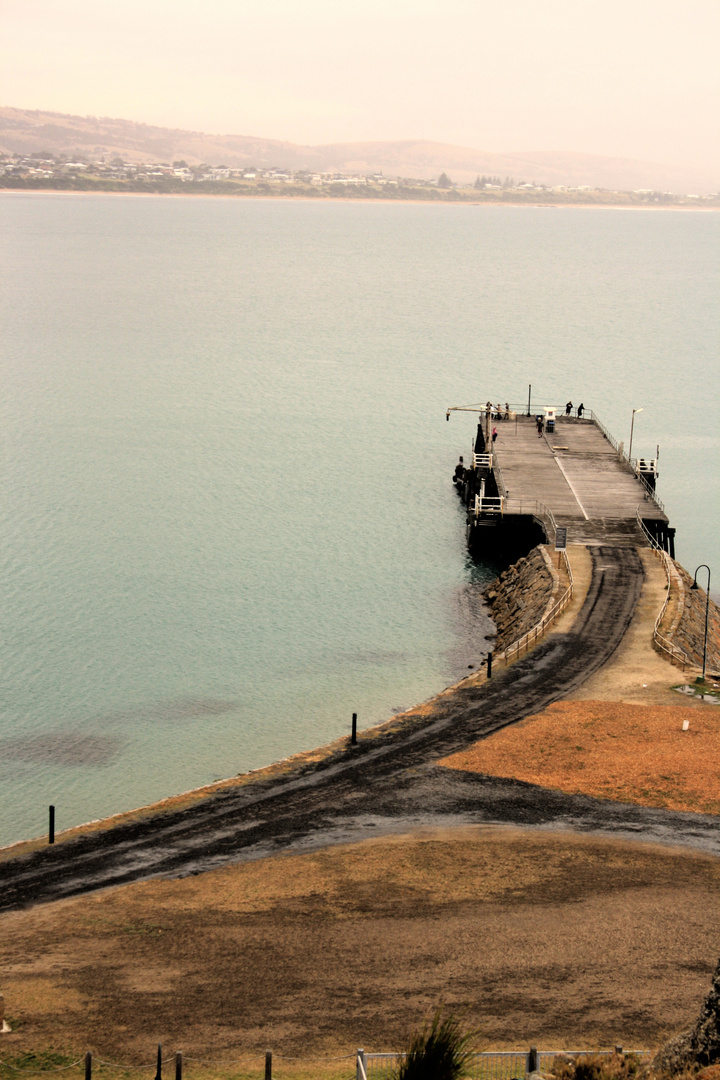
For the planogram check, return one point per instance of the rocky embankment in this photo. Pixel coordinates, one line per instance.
(688, 628)
(521, 596)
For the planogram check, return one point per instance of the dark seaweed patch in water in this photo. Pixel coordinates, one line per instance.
(170, 711)
(61, 748)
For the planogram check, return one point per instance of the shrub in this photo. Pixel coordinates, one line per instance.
(439, 1052)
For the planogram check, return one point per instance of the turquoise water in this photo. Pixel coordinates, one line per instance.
(226, 505)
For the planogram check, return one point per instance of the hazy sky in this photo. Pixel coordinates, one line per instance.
(632, 78)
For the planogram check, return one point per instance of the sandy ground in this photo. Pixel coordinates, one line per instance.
(541, 938)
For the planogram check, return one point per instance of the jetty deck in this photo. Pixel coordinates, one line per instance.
(577, 473)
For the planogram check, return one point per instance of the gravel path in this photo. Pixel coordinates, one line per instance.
(386, 784)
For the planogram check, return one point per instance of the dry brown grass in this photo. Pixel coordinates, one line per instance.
(612, 750)
(537, 938)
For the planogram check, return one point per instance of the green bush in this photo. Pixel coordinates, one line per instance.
(441, 1051)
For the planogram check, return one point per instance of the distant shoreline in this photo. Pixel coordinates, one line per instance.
(328, 199)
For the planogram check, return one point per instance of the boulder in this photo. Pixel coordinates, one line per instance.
(700, 1045)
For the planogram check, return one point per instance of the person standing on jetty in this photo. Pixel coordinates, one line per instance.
(494, 435)
(581, 410)
(568, 408)
(540, 426)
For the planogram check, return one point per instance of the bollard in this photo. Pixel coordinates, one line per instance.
(353, 737)
(268, 1065)
(51, 826)
(88, 1066)
(158, 1074)
(178, 1065)
(489, 663)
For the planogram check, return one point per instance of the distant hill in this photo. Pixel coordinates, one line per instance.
(26, 131)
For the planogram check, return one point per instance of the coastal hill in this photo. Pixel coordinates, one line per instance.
(25, 131)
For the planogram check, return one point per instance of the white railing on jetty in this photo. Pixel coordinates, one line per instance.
(482, 461)
(531, 638)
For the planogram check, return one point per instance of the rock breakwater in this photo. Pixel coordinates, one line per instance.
(522, 595)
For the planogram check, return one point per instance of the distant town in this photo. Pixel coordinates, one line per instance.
(59, 173)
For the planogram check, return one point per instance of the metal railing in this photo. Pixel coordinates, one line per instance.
(531, 638)
(632, 463)
(488, 1065)
(536, 508)
(665, 644)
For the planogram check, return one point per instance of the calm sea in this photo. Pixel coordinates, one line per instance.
(227, 517)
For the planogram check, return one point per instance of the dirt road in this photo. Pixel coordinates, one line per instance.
(386, 784)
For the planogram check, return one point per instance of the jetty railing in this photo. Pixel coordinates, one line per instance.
(531, 638)
(632, 463)
(482, 461)
(665, 644)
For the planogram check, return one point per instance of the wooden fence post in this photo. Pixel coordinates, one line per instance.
(158, 1074)
(88, 1066)
(178, 1065)
(532, 1060)
(268, 1065)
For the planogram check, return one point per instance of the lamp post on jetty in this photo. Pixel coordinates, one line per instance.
(704, 566)
(632, 425)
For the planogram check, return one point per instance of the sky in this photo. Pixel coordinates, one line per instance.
(621, 78)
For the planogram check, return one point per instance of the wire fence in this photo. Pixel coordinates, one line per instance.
(486, 1065)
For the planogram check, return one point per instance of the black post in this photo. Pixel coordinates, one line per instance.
(51, 828)
(268, 1065)
(353, 737)
(158, 1074)
(489, 662)
(178, 1065)
(88, 1066)
(671, 543)
(529, 393)
(532, 1060)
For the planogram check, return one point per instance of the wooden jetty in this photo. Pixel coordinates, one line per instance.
(572, 475)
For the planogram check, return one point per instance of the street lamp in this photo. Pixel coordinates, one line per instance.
(632, 425)
(707, 610)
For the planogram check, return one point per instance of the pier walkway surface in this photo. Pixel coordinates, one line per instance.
(578, 474)
(389, 782)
